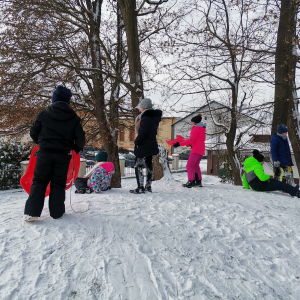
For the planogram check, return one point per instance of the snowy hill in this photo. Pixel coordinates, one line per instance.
(215, 242)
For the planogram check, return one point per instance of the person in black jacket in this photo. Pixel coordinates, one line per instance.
(57, 131)
(146, 146)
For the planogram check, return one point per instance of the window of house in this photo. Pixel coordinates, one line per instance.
(205, 118)
(131, 134)
(122, 134)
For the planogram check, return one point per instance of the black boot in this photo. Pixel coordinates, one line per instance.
(197, 182)
(148, 188)
(189, 184)
(138, 190)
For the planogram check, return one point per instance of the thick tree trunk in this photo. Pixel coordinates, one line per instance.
(230, 138)
(286, 102)
(108, 129)
(128, 10)
(284, 64)
(293, 125)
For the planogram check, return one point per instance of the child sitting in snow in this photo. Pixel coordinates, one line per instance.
(100, 175)
(255, 177)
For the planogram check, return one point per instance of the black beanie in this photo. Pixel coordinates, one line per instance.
(258, 156)
(62, 94)
(197, 119)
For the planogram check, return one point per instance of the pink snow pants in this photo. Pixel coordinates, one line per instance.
(193, 167)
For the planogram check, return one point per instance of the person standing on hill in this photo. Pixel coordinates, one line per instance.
(281, 156)
(57, 131)
(146, 146)
(197, 142)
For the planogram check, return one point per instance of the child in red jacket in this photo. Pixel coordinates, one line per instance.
(197, 142)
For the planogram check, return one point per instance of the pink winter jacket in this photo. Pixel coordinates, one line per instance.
(196, 140)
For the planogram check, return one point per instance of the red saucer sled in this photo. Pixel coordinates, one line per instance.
(179, 138)
(26, 180)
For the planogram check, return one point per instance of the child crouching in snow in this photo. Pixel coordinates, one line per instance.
(255, 177)
(100, 175)
(197, 142)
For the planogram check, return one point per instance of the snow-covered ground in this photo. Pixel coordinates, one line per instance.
(215, 242)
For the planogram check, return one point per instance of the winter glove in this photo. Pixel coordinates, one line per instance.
(176, 145)
(276, 163)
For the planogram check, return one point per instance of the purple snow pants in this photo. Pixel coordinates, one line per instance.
(193, 167)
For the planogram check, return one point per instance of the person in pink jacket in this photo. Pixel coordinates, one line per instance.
(197, 142)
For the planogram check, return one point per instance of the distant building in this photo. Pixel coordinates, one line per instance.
(127, 133)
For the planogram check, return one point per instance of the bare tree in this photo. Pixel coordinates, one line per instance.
(64, 42)
(214, 61)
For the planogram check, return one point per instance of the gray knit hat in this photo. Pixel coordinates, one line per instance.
(145, 103)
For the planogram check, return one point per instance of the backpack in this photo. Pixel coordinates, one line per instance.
(82, 186)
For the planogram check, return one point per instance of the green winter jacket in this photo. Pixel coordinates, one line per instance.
(254, 174)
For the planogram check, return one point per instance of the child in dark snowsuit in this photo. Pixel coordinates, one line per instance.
(57, 131)
(255, 177)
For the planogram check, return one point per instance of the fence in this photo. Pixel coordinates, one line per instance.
(175, 165)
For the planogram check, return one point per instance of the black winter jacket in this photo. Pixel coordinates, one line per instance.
(58, 129)
(145, 142)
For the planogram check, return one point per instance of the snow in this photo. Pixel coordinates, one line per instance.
(215, 242)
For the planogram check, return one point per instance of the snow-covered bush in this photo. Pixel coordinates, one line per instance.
(11, 154)
(225, 169)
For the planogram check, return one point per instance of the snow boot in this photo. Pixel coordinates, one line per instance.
(28, 218)
(189, 184)
(148, 188)
(138, 190)
(298, 194)
(197, 182)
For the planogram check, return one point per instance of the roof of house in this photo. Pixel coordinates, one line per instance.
(212, 102)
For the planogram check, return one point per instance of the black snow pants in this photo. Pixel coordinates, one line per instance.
(49, 167)
(139, 165)
(275, 185)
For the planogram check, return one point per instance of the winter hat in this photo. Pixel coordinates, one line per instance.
(197, 119)
(258, 156)
(281, 129)
(61, 94)
(145, 103)
(101, 156)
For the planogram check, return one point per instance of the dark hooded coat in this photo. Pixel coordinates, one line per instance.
(58, 129)
(145, 142)
(280, 150)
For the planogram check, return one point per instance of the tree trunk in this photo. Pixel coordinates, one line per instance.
(128, 10)
(284, 64)
(230, 138)
(286, 102)
(108, 129)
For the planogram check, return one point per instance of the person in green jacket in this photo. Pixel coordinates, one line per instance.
(255, 177)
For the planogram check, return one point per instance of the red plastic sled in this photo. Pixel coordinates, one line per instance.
(26, 180)
(179, 138)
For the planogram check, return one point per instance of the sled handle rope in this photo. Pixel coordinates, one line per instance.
(72, 182)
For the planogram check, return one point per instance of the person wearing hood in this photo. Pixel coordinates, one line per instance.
(255, 177)
(57, 131)
(281, 155)
(197, 142)
(146, 125)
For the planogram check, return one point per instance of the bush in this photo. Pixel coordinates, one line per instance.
(10, 170)
(225, 169)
